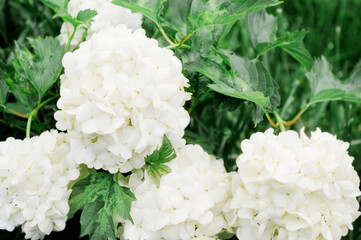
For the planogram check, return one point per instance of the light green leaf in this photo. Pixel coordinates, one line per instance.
(43, 67)
(56, 5)
(261, 26)
(247, 80)
(155, 161)
(291, 42)
(86, 16)
(100, 198)
(60, 8)
(149, 8)
(4, 90)
(205, 13)
(326, 87)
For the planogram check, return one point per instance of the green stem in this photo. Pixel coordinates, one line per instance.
(165, 35)
(270, 119)
(185, 39)
(28, 126)
(48, 100)
(289, 123)
(280, 122)
(35, 112)
(176, 45)
(70, 39)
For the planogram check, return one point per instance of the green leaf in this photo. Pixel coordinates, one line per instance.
(149, 8)
(86, 16)
(176, 17)
(24, 103)
(56, 5)
(291, 42)
(60, 8)
(4, 90)
(326, 87)
(205, 13)
(100, 198)
(43, 67)
(261, 26)
(247, 80)
(155, 161)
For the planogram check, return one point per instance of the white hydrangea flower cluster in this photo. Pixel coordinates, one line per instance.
(119, 95)
(109, 15)
(291, 187)
(188, 202)
(34, 183)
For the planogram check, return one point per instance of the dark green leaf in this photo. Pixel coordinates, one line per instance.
(261, 26)
(101, 198)
(248, 80)
(3, 92)
(205, 13)
(86, 16)
(43, 67)
(149, 8)
(24, 103)
(326, 87)
(155, 161)
(291, 42)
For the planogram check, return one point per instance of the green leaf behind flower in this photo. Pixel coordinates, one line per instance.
(155, 162)
(100, 198)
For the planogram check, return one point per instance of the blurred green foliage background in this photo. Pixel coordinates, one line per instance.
(219, 125)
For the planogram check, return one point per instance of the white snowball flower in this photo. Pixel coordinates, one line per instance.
(109, 15)
(34, 178)
(119, 95)
(293, 187)
(188, 202)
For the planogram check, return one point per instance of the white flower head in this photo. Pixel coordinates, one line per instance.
(120, 95)
(187, 204)
(34, 178)
(293, 187)
(108, 15)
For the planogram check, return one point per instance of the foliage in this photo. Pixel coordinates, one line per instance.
(155, 162)
(100, 197)
(242, 61)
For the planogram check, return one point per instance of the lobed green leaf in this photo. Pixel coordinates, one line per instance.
(155, 162)
(100, 198)
(247, 80)
(291, 42)
(149, 8)
(326, 87)
(262, 27)
(205, 13)
(43, 67)
(86, 16)
(56, 5)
